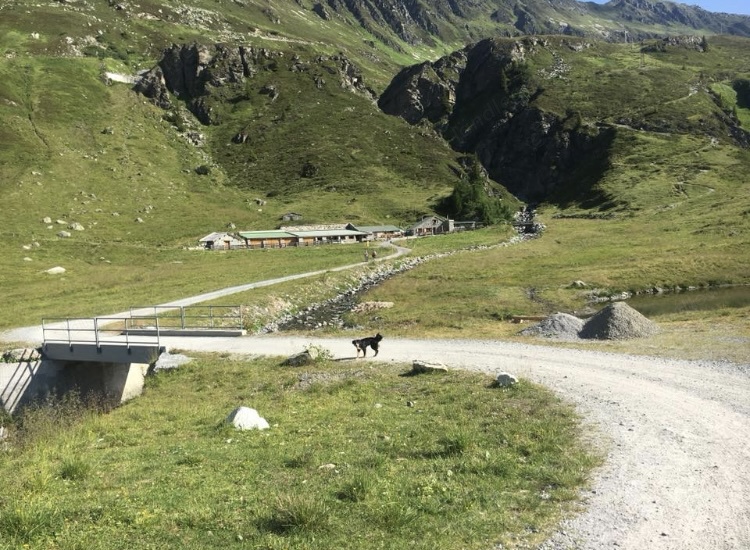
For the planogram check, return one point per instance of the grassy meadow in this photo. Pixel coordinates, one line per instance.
(356, 457)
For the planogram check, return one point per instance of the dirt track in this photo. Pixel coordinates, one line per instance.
(676, 434)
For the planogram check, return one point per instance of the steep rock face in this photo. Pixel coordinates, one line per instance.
(481, 100)
(426, 91)
(534, 153)
(196, 73)
(409, 20)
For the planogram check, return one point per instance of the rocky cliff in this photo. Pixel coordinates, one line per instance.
(205, 75)
(481, 99)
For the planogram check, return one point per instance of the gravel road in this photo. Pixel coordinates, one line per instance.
(676, 433)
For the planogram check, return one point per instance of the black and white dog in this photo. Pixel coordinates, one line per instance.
(372, 341)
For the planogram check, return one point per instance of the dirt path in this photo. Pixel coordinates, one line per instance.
(676, 434)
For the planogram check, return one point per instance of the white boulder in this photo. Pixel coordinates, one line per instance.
(245, 418)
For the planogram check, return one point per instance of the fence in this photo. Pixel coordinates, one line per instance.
(190, 317)
(98, 331)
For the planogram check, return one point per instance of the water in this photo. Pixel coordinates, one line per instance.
(694, 300)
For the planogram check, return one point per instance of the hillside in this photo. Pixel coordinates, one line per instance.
(547, 115)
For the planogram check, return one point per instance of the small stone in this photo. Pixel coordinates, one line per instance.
(503, 380)
(421, 367)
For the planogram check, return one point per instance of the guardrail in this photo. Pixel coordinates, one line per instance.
(98, 331)
(192, 317)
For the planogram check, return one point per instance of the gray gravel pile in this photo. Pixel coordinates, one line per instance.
(558, 325)
(618, 321)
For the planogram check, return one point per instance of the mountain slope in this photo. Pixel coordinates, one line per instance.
(542, 113)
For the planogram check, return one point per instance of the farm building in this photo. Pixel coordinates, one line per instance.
(282, 239)
(268, 239)
(291, 217)
(378, 232)
(327, 236)
(431, 225)
(220, 241)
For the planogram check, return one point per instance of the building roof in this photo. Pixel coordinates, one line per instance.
(265, 234)
(377, 228)
(329, 233)
(429, 222)
(217, 236)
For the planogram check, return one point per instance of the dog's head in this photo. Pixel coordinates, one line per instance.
(378, 337)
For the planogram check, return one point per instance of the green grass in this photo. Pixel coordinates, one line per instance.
(346, 463)
(94, 285)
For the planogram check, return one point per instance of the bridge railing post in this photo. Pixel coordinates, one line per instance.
(96, 333)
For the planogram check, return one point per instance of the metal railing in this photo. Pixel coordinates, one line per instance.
(193, 317)
(99, 331)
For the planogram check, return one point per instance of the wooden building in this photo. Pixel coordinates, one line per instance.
(268, 239)
(431, 225)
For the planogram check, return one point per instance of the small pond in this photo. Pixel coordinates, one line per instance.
(693, 300)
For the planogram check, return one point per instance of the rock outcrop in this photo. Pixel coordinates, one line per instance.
(196, 74)
(482, 101)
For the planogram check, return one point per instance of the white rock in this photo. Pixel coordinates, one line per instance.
(245, 418)
(47, 220)
(418, 366)
(57, 270)
(75, 226)
(63, 234)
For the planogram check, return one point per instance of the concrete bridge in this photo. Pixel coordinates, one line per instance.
(109, 356)
(95, 355)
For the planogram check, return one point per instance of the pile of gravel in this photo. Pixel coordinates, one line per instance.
(558, 325)
(618, 321)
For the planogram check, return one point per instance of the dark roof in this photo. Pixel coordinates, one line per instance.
(265, 234)
(377, 228)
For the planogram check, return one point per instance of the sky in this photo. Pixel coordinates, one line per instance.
(727, 6)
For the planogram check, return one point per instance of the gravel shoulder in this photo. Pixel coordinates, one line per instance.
(676, 434)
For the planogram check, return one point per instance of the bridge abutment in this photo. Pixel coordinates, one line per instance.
(33, 378)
